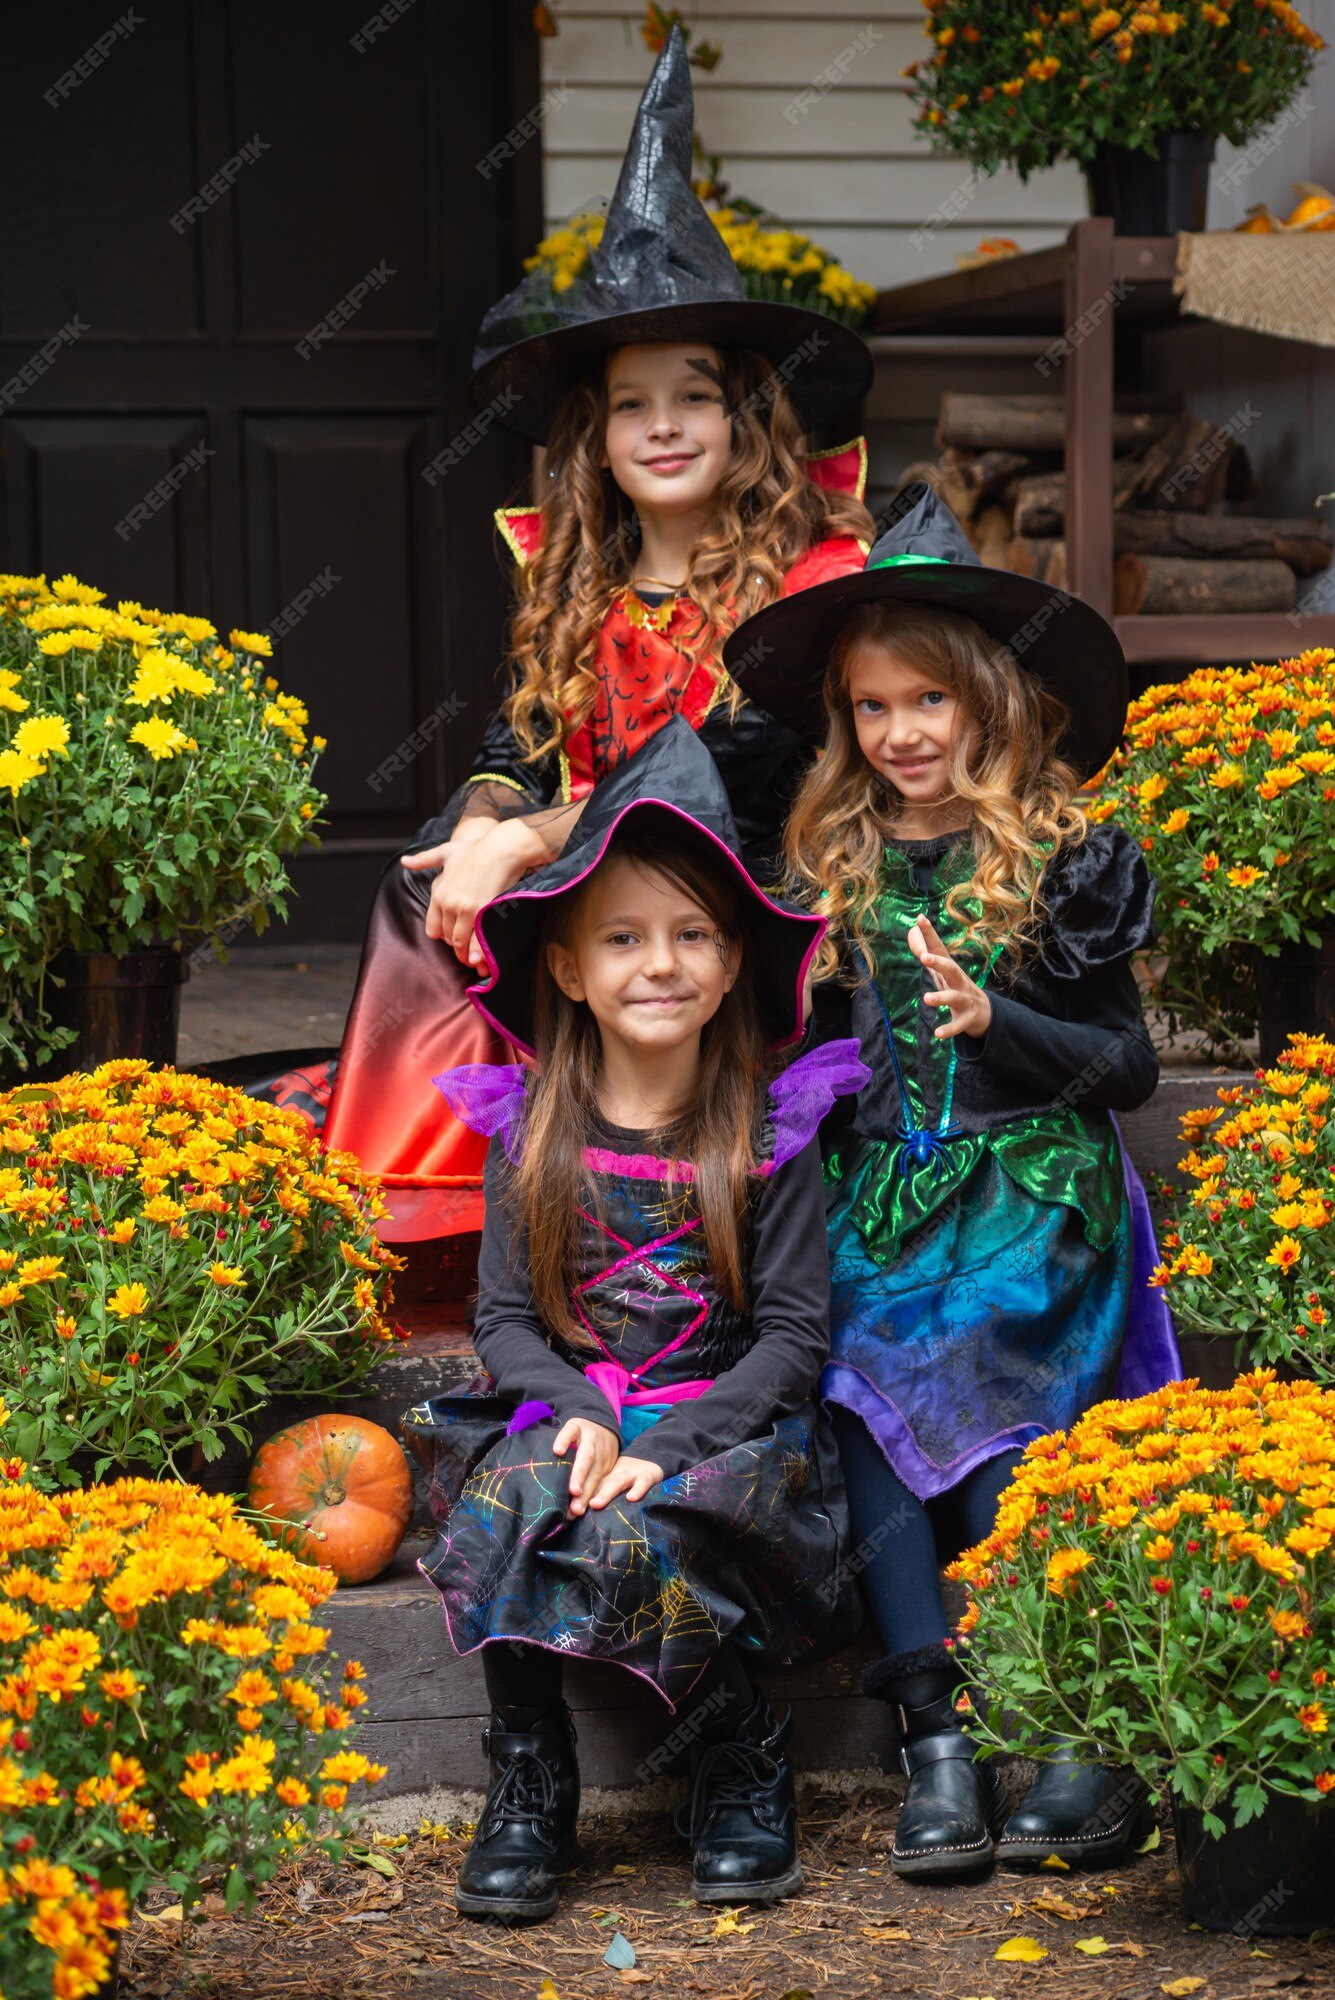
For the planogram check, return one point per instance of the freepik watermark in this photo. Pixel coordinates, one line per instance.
(166, 489)
(412, 746)
(1079, 331)
(472, 434)
(216, 186)
(92, 58)
(834, 72)
(950, 210)
(310, 593)
(1219, 443)
(1263, 145)
(682, 1737)
(379, 24)
(528, 127)
(37, 364)
(347, 308)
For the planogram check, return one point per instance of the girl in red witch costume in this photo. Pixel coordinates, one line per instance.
(679, 499)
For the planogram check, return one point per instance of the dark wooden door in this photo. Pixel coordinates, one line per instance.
(244, 248)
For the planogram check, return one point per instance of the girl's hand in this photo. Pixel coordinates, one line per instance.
(970, 1007)
(596, 1452)
(473, 870)
(632, 1476)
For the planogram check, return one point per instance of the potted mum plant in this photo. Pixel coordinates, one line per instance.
(1227, 781)
(1160, 1590)
(152, 778)
(1138, 93)
(168, 1715)
(173, 1253)
(1252, 1250)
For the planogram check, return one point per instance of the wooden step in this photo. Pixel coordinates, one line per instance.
(426, 1705)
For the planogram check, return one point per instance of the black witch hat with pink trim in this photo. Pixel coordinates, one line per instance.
(661, 272)
(673, 784)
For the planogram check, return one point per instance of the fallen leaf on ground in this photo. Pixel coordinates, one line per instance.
(1148, 1846)
(1055, 1862)
(620, 1954)
(1050, 1904)
(625, 1868)
(547, 1991)
(1179, 1986)
(886, 1934)
(730, 1925)
(173, 1914)
(1094, 1947)
(1021, 1951)
(632, 1976)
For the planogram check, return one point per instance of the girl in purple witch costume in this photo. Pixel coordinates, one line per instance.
(645, 1480)
(989, 1244)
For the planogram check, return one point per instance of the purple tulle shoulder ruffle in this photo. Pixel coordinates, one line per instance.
(488, 1098)
(803, 1093)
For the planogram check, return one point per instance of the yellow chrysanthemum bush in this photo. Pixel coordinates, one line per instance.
(167, 1714)
(775, 263)
(151, 779)
(1228, 782)
(1159, 1589)
(1010, 84)
(172, 1253)
(1252, 1249)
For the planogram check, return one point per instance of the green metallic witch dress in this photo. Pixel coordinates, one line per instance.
(989, 1243)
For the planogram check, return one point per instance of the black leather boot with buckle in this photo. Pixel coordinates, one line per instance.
(954, 1803)
(1087, 1814)
(741, 1817)
(525, 1837)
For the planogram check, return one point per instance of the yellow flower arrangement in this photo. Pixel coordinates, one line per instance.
(1227, 781)
(150, 788)
(1006, 84)
(1160, 1588)
(1252, 1248)
(775, 263)
(171, 1251)
(137, 1741)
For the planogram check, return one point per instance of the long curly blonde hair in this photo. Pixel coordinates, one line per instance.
(1012, 784)
(768, 514)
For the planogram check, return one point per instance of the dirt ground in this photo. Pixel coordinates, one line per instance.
(358, 1934)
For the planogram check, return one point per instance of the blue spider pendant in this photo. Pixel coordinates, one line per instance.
(920, 1148)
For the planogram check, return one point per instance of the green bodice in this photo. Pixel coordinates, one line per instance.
(1063, 1155)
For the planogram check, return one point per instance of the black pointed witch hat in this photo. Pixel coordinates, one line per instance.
(660, 273)
(778, 657)
(674, 783)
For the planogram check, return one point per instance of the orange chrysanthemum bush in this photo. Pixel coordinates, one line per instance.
(1160, 1590)
(173, 1252)
(1228, 782)
(165, 1715)
(1253, 1250)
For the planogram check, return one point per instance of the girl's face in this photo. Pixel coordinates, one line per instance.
(907, 723)
(668, 438)
(648, 960)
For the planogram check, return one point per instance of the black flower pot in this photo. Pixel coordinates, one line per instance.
(1270, 1878)
(1148, 197)
(1295, 994)
(127, 1006)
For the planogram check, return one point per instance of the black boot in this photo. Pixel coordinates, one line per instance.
(953, 1803)
(1086, 1814)
(741, 1818)
(525, 1834)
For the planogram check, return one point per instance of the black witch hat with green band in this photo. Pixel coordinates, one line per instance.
(661, 272)
(778, 657)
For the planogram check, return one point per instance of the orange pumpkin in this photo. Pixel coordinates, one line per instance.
(346, 1486)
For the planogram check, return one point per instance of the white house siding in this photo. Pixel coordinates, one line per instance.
(845, 166)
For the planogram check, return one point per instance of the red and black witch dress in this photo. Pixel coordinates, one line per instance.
(410, 1017)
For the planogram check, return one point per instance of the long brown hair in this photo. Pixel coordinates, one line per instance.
(716, 1131)
(1006, 771)
(768, 514)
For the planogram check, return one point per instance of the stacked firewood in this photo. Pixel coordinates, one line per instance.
(1187, 536)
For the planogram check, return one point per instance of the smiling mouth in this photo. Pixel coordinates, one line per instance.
(673, 463)
(908, 765)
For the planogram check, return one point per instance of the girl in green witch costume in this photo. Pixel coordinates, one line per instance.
(989, 1242)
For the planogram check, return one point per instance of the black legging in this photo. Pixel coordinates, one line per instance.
(526, 1681)
(899, 1542)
